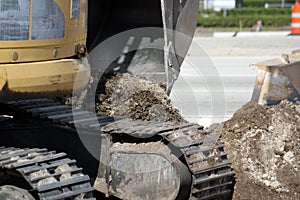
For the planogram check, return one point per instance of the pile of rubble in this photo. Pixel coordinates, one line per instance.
(263, 144)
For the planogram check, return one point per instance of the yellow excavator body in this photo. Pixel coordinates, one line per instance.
(42, 48)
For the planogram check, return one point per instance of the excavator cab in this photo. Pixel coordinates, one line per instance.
(40, 46)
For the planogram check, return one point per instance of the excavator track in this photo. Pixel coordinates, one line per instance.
(211, 173)
(206, 159)
(51, 175)
(212, 176)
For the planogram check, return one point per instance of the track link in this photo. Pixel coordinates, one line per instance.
(51, 175)
(206, 159)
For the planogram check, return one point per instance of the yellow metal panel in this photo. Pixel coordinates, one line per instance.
(43, 78)
(30, 54)
(3, 77)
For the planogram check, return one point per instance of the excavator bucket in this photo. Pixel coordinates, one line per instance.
(151, 49)
(278, 79)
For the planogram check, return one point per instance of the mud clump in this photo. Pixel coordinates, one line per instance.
(263, 144)
(127, 96)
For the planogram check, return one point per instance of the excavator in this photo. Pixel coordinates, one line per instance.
(50, 150)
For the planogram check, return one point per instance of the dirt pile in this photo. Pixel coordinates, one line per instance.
(263, 144)
(130, 96)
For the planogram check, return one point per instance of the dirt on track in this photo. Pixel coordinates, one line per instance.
(127, 96)
(263, 144)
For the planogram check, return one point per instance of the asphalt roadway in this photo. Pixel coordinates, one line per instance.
(216, 78)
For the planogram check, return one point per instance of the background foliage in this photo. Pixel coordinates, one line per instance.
(275, 17)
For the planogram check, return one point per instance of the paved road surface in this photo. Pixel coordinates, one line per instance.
(217, 80)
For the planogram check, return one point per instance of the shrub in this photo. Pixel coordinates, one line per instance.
(247, 21)
(261, 3)
(259, 11)
(248, 16)
(250, 11)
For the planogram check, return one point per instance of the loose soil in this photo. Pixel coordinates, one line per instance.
(127, 96)
(263, 145)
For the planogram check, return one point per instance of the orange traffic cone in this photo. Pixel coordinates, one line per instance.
(295, 24)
